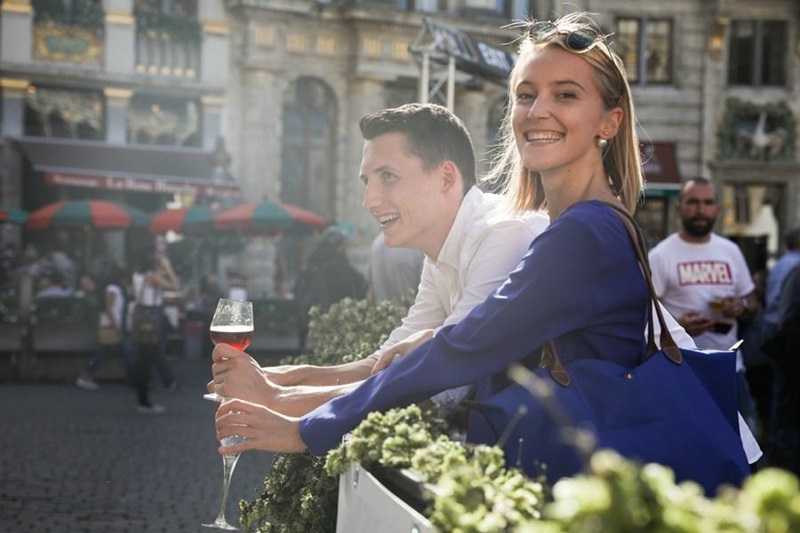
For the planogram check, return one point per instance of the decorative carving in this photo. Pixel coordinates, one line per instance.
(74, 108)
(67, 44)
(756, 132)
(154, 124)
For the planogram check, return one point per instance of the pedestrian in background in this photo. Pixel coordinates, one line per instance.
(327, 278)
(781, 342)
(704, 282)
(392, 272)
(111, 335)
(152, 276)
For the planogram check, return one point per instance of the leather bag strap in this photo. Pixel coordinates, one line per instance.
(552, 361)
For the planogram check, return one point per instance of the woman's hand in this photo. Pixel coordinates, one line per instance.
(264, 429)
(411, 343)
(237, 375)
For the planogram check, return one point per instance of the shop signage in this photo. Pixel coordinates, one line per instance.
(472, 55)
(137, 184)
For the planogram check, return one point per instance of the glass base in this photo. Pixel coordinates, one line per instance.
(221, 523)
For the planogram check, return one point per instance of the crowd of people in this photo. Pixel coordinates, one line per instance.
(547, 262)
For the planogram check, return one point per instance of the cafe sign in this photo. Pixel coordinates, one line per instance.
(142, 185)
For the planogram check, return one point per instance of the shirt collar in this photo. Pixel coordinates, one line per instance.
(472, 205)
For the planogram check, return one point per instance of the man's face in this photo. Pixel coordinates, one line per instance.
(698, 209)
(404, 198)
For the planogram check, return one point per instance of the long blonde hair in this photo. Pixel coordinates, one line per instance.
(621, 158)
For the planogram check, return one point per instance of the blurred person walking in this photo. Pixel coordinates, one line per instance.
(392, 272)
(112, 339)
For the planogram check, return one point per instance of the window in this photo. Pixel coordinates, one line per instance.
(408, 5)
(308, 152)
(64, 113)
(515, 9)
(757, 53)
(164, 121)
(645, 46)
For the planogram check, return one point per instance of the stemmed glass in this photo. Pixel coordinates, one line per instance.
(232, 324)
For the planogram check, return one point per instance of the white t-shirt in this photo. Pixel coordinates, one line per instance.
(688, 276)
(116, 310)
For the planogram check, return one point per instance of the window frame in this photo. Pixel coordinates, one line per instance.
(643, 25)
(756, 60)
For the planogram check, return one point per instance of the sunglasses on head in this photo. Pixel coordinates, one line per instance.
(578, 41)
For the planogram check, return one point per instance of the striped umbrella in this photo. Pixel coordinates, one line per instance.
(182, 220)
(94, 214)
(266, 216)
(13, 215)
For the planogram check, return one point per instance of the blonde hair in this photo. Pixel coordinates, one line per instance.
(621, 158)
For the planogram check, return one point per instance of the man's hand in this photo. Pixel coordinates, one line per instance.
(237, 375)
(696, 323)
(400, 349)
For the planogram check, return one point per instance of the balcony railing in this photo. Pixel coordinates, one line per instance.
(167, 45)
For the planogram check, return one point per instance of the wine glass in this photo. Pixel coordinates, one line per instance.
(233, 325)
(229, 463)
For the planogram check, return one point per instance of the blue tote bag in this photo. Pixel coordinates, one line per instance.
(677, 408)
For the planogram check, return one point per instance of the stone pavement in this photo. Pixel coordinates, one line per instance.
(73, 460)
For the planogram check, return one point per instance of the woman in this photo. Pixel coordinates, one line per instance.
(153, 275)
(570, 147)
(111, 316)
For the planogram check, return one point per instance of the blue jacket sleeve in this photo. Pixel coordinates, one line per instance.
(553, 291)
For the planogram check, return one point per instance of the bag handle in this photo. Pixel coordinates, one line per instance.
(550, 358)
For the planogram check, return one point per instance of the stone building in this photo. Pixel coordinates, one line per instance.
(285, 82)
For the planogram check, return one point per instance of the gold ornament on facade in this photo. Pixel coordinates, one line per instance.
(67, 44)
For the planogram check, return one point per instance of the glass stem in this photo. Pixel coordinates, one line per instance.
(229, 463)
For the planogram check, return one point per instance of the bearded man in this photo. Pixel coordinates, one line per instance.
(704, 282)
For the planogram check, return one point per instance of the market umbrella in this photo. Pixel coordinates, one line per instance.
(182, 220)
(13, 215)
(266, 216)
(93, 214)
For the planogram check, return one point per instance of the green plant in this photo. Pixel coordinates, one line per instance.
(298, 495)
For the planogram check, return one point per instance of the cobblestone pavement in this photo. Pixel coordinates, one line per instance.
(73, 460)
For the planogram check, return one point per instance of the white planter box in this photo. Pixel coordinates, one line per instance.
(366, 506)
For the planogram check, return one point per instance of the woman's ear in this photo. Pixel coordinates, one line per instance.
(611, 123)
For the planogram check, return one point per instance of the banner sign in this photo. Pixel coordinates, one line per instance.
(472, 55)
(135, 184)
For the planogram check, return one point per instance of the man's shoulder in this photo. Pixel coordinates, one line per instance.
(662, 246)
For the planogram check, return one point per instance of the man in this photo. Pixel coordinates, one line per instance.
(703, 280)
(781, 334)
(418, 169)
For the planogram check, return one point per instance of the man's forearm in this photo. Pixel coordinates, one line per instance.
(300, 400)
(313, 375)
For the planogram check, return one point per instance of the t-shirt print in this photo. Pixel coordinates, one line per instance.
(704, 273)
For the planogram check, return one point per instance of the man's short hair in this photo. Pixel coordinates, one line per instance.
(433, 134)
(696, 180)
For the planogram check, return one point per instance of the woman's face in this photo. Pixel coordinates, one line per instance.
(558, 112)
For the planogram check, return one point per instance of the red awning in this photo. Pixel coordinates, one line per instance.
(660, 166)
(133, 168)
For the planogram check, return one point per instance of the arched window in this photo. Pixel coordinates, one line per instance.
(308, 160)
(308, 176)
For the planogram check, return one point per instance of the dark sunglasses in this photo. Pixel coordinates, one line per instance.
(577, 41)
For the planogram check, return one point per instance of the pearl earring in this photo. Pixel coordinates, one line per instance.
(601, 143)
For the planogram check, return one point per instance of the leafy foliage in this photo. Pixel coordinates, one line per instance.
(298, 495)
(471, 489)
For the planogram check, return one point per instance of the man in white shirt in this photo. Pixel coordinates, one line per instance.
(704, 281)
(418, 169)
